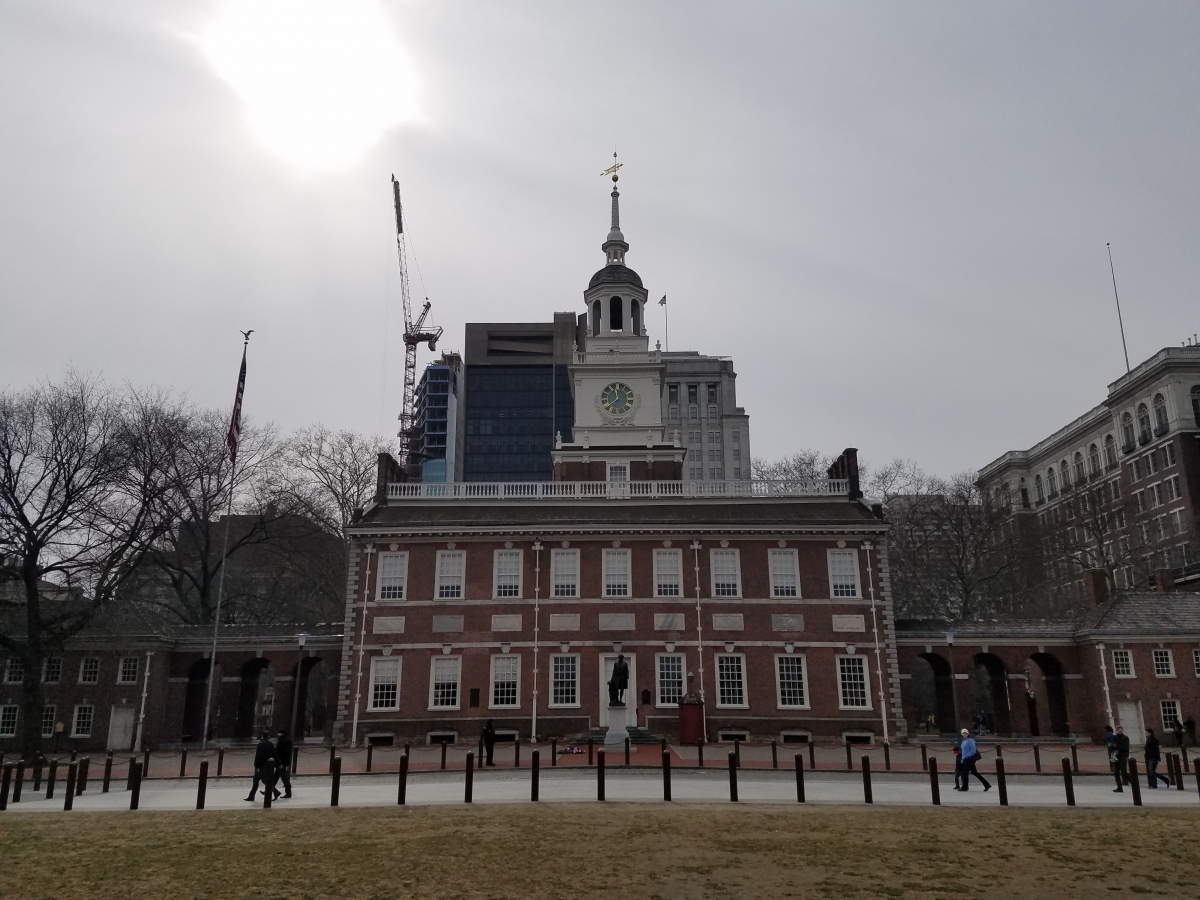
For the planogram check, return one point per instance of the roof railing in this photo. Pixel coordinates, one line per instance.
(617, 490)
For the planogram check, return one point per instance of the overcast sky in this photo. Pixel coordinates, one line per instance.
(892, 216)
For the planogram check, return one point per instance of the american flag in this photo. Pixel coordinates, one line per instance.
(235, 424)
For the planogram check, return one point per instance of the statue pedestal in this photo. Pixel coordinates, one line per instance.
(616, 727)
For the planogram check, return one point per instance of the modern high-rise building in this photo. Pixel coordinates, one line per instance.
(438, 420)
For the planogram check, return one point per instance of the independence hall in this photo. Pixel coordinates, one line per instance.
(510, 601)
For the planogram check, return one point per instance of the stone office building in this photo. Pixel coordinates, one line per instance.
(510, 600)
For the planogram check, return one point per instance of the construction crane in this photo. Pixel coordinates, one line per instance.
(415, 333)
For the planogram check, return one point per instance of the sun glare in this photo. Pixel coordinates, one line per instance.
(321, 80)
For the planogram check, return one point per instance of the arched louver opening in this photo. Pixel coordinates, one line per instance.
(635, 316)
(615, 315)
(596, 318)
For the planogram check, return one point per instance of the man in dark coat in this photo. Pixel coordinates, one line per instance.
(1152, 759)
(263, 754)
(1121, 746)
(619, 683)
(283, 764)
(489, 741)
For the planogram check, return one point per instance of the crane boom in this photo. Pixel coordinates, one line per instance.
(415, 334)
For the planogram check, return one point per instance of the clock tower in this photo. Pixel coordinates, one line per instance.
(617, 381)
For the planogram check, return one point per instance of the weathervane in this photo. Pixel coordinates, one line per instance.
(612, 170)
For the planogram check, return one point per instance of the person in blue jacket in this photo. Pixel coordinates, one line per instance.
(970, 756)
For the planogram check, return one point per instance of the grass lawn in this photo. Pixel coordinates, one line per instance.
(612, 851)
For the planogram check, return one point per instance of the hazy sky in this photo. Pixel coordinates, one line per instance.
(892, 216)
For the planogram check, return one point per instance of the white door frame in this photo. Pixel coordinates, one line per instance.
(125, 711)
(606, 663)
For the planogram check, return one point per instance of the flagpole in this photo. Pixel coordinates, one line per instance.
(235, 427)
(666, 322)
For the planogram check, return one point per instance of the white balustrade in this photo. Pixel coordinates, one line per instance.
(616, 490)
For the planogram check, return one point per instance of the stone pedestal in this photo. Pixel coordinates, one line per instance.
(616, 727)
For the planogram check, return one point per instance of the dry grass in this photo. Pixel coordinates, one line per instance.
(612, 851)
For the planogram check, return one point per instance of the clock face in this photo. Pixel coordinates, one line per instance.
(617, 398)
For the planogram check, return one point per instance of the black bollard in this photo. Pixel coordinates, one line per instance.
(733, 792)
(866, 772)
(5, 783)
(1135, 786)
(268, 783)
(183, 763)
(535, 765)
(1178, 774)
(924, 758)
(135, 781)
(81, 781)
(887, 755)
(69, 794)
(666, 767)
(1075, 759)
(627, 751)
(799, 778)
(370, 755)
(146, 764)
(107, 773)
(999, 752)
(1037, 758)
(1068, 785)
(553, 751)
(774, 755)
(128, 774)
(600, 775)
(402, 786)
(1001, 784)
(479, 750)
(700, 753)
(737, 751)
(849, 759)
(220, 761)
(1195, 765)
(20, 780)
(51, 774)
(469, 785)
(516, 752)
(202, 784)
(38, 762)
(335, 788)
(444, 746)
(295, 759)
(332, 753)
(812, 753)
(590, 759)
(935, 789)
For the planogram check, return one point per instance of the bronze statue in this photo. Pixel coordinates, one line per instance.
(619, 683)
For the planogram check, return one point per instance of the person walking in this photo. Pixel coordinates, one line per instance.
(1178, 729)
(1121, 770)
(283, 764)
(958, 769)
(1152, 760)
(263, 753)
(970, 756)
(489, 741)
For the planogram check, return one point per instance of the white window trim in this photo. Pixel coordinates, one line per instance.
(712, 572)
(75, 720)
(8, 667)
(496, 574)
(492, 681)
(795, 571)
(379, 598)
(375, 661)
(1132, 666)
(628, 573)
(717, 678)
(857, 595)
(550, 686)
(837, 673)
(53, 708)
(83, 662)
(1162, 713)
(1196, 662)
(16, 707)
(1170, 659)
(121, 670)
(678, 554)
(807, 704)
(46, 666)
(658, 679)
(437, 575)
(433, 660)
(553, 587)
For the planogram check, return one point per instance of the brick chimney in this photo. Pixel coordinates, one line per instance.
(1097, 586)
(1164, 581)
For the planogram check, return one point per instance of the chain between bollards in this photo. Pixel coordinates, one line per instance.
(402, 786)
(469, 780)
(1068, 785)
(202, 784)
(733, 790)
(935, 789)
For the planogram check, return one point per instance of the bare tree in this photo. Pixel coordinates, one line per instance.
(82, 473)
(329, 474)
(799, 466)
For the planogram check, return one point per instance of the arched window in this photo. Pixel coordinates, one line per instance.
(1094, 460)
(1160, 414)
(1052, 479)
(1143, 416)
(635, 316)
(596, 318)
(1110, 451)
(1079, 473)
(1064, 475)
(1196, 403)
(1038, 490)
(1127, 432)
(615, 318)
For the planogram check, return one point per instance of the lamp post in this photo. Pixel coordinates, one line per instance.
(296, 685)
(953, 683)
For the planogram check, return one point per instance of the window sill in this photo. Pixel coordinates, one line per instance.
(1125, 677)
(666, 706)
(564, 706)
(1165, 677)
(781, 706)
(381, 709)
(732, 706)
(854, 708)
(444, 708)
(508, 708)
